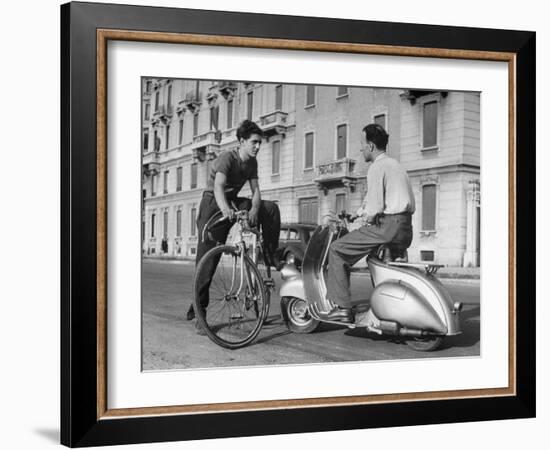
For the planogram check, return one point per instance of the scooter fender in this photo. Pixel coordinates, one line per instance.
(398, 301)
(293, 288)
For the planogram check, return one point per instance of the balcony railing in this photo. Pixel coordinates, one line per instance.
(274, 123)
(335, 174)
(163, 113)
(192, 101)
(150, 163)
(206, 146)
(227, 88)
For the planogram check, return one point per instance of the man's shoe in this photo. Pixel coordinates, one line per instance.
(190, 313)
(199, 329)
(339, 314)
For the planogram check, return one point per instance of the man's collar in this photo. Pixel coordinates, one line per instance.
(380, 156)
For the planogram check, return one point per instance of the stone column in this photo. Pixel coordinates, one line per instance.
(472, 203)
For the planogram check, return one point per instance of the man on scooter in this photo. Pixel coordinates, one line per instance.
(386, 212)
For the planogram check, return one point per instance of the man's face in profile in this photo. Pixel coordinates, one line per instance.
(366, 148)
(251, 146)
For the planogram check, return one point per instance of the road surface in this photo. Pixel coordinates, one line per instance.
(170, 341)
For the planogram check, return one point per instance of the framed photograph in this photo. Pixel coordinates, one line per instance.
(280, 224)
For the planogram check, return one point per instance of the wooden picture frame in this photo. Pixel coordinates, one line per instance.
(86, 418)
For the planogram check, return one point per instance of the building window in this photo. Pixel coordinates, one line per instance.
(153, 187)
(427, 255)
(380, 119)
(310, 95)
(145, 139)
(279, 97)
(153, 225)
(195, 124)
(165, 224)
(275, 157)
(214, 113)
(165, 182)
(429, 125)
(229, 113)
(180, 133)
(166, 145)
(340, 203)
(342, 90)
(308, 162)
(193, 175)
(193, 221)
(179, 178)
(157, 141)
(308, 210)
(341, 141)
(249, 105)
(178, 222)
(148, 86)
(169, 99)
(147, 111)
(428, 207)
(157, 101)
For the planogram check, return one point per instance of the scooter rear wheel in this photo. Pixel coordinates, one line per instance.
(426, 344)
(296, 315)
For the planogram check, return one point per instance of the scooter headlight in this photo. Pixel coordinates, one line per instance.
(457, 307)
(290, 259)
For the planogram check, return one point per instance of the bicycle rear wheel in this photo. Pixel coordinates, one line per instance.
(237, 304)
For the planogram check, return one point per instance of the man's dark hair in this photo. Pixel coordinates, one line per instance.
(248, 128)
(377, 135)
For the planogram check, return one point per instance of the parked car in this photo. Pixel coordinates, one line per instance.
(293, 241)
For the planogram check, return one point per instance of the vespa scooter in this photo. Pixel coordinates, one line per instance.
(408, 301)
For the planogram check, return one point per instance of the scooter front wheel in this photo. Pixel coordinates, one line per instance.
(296, 315)
(425, 344)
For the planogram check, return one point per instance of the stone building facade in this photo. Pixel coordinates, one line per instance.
(310, 161)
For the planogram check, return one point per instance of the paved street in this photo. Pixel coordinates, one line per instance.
(170, 341)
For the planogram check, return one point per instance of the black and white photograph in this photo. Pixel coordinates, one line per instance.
(307, 224)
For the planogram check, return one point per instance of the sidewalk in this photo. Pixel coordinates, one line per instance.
(459, 273)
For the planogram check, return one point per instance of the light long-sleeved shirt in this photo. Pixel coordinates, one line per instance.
(389, 189)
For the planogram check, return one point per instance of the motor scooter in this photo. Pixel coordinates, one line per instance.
(408, 301)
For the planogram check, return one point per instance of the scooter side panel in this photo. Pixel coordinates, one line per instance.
(427, 286)
(399, 302)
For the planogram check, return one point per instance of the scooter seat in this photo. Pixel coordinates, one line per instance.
(391, 253)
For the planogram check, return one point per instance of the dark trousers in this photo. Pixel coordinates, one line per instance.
(393, 229)
(269, 219)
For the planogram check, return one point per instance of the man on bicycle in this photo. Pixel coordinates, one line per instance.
(228, 174)
(386, 212)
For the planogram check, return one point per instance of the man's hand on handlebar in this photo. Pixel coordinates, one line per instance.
(228, 213)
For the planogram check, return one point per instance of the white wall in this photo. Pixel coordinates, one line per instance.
(30, 225)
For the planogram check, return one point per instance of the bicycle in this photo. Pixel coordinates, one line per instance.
(240, 289)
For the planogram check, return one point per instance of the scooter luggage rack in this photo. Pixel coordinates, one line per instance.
(431, 269)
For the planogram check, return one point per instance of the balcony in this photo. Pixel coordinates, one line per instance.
(150, 164)
(227, 88)
(212, 93)
(206, 146)
(274, 123)
(336, 174)
(180, 109)
(192, 101)
(162, 114)
(413, 95)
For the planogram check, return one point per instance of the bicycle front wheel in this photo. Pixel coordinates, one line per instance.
(235, 301)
